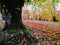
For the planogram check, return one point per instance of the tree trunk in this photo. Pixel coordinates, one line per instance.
(16, 20)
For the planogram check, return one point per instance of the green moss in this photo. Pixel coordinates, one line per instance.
(10, 37)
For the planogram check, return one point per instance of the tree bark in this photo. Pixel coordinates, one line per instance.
(14, 7)
(16, 20)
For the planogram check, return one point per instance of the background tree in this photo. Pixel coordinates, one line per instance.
(48, 8)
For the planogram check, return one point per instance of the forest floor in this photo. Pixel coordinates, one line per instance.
(47, 33)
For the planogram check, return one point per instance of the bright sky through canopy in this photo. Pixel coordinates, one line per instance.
(58, 7)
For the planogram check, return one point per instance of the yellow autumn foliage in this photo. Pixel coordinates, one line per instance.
(47, 12)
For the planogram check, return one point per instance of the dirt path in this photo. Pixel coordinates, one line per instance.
(2, 24)
(42, 24)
